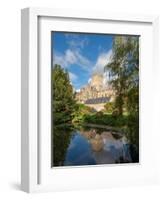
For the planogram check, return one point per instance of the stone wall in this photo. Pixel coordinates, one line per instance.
(95, 89)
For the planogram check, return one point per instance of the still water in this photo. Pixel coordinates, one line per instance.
(91, 146)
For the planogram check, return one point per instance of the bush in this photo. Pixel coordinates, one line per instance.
(99, 114)
(80, 111)
(115, 113)
(106, 119)
(109, 107)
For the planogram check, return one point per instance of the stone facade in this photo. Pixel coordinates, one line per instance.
(96, 93)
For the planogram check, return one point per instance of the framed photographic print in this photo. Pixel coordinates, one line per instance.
(95, 99)
(89, 86)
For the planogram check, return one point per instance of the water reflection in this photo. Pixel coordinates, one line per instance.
(90, 146)
(60, 142)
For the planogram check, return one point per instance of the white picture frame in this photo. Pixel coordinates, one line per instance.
(36, 172)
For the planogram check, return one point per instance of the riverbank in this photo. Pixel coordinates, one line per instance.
(108, 128)
(75, 126)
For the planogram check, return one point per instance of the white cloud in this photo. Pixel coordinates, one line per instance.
(65, 59)
(89, 80)
(72, 57)
(73, 77)
(77, 90)
(75, 40)
(103, 59)
(83, 61)
(59, 59)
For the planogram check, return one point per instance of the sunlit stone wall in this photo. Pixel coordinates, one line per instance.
(95, 89)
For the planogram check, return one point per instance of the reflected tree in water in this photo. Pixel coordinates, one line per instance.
(132, 135)
(61, 139)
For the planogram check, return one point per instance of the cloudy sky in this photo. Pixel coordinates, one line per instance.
(81, 54)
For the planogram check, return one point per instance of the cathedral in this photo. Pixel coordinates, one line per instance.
(97, 92)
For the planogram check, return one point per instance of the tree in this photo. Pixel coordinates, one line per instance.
(63, 97)
(124, 68)
(133, 79)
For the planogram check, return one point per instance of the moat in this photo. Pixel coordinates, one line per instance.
(91, 146)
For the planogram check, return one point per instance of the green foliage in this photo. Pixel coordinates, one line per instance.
(106, 119)
(99, 114)
(80, 111)
(109, 107)
(63, 98)
(115, 113)
(133, 100)
(124, 68)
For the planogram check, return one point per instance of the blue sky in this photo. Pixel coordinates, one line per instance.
(81, 54)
